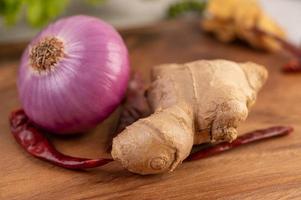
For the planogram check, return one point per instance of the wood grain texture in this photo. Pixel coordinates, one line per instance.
(265, 170)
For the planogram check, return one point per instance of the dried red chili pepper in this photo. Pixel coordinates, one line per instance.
(35, 143)
(292, 66)
(135, 105)
(247, 138)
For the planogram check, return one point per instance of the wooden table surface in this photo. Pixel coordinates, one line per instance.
(265, 170)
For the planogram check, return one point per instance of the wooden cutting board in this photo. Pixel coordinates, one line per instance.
(265, 170)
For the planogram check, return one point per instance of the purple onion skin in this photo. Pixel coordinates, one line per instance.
(85, 86)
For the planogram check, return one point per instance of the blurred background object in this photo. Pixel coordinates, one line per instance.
(21, 19)
(120, 13)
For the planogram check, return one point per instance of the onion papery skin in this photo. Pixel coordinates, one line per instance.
(85, 86)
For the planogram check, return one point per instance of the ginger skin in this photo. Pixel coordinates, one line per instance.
(193, 103)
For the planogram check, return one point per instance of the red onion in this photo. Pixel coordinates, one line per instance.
(73, 74)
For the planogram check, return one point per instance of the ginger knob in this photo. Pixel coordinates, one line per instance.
(192, 103)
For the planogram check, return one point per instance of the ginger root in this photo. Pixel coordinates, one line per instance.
(193, 103)
(231, 19)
